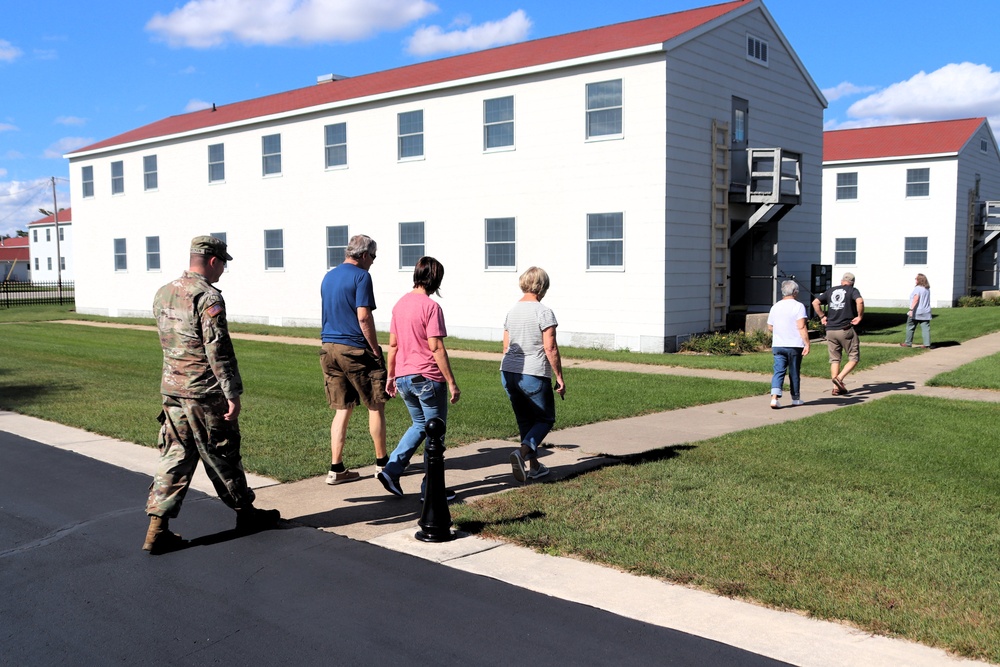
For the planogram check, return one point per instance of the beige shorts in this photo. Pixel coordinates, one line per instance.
(352, 376)
(843, 340)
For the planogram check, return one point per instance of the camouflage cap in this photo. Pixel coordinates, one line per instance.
(209, 245)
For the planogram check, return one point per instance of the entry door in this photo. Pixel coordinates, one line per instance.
(739, 171)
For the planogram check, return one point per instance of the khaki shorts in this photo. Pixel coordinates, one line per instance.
(352, 376)
(846, 340)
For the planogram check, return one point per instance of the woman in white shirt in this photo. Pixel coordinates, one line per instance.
(789, 342)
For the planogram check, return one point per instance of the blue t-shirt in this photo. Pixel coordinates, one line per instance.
(345, 288)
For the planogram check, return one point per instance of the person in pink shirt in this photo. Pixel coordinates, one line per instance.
(418, 365)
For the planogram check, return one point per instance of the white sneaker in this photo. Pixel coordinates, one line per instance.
(798, 402)
(775, 403)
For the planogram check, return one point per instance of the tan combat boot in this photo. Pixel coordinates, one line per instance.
(158, 538)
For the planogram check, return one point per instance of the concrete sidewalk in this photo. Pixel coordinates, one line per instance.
(363, 510)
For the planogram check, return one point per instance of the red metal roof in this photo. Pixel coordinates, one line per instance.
(606, 39)
(15, 242)
(10, 254)
(65, 215)
(945, 136)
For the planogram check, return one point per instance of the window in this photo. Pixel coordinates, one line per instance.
(152, 253)
(411, 243)
(62, 263)
(87, 176)
(274, 249)
(149, 181)
(336, 245)
(756, 49)
(48, 235)
(411, 135)
(915, 250)
(847, 185)
(604, 109)
(48, 260)
(498, 123)
(271, 151)
(62, 237)
(117, 178)
(500, 243)
(216, 163)
(984, 146)
(36, 264)
(846, 251)
(34, 233)
(918, 182)
(605, 241)
(336, 145)
(121, 263)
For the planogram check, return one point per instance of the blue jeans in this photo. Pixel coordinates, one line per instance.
(425, 399)
(786, 360)
(534, 405)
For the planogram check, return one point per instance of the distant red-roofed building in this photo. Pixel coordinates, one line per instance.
(905, 199)
(49, 246)
(664, 171)
(14, 256)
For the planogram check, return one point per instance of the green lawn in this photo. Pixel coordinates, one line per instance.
(980, 374)
(107, 381)
(886, 515)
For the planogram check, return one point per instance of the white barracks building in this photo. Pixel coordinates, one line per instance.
(666, 172)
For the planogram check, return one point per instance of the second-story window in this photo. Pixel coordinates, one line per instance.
(411, 135)
(604, 109)
(918, 182)
(216, 163)
(336, 145)
(87, 177)
(847, 185)
(149, 177)
(498, 123)
(271, 151)
(117, 177)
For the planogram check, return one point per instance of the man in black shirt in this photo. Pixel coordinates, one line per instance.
(845, 308)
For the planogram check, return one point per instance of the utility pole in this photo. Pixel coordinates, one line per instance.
(55, 217)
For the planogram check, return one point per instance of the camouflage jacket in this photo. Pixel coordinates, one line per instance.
(198, 356)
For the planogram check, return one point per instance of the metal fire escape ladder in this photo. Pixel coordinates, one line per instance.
(720, 224)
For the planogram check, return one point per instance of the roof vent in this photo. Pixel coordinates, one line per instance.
(327, 78)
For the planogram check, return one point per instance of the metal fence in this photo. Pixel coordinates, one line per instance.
(32, 294)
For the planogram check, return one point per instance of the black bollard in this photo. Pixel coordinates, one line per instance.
(435, 519)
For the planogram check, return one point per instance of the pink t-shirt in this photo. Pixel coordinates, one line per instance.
(415, 318)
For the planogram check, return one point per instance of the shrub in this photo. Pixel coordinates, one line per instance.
(728, 343)
(977, 302)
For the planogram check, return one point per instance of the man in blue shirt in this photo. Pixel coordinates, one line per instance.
(353, 366)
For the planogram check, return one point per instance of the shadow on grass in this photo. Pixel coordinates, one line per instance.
(477, 527)
(19, 395)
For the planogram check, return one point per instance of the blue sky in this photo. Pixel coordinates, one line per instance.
(72, 73)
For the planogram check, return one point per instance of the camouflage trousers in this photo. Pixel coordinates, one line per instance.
(192, 430)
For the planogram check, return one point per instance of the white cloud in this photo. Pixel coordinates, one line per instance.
(957, 90)
(197, 105)
(845, 89)
(7, 127)
(19, 202)
(66, 145)
(205, 23)
(429, 40)
(70, 120)
(3, 172)
(8, 52)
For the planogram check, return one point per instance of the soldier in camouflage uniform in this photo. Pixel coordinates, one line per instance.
(201, 389)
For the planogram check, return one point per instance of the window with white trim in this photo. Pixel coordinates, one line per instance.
(605, 241)
(918, 182)
(847, 185)
(62, 263)
(62, 237)
(149, 176)
(34, 233)
(152, 253)
(756, 49)
(604, 109)
(216, 163)
(36, 264)
(500, 248)
(984, 146)
(411, 243)
(274, 249)
(335, 145)
(498, 123)
(117, 177)
(411, 135)
(87, 178)
(48, 261)
(271, 154)
(845, 251)
(121, 261)
(915, 250)
(336, 245)
(48, 235)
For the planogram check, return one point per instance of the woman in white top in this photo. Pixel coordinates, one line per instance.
(789, 341)
(530, 359)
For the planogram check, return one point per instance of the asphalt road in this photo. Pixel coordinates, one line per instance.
(76, 589)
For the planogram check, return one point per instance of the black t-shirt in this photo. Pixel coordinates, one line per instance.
(842, 306)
